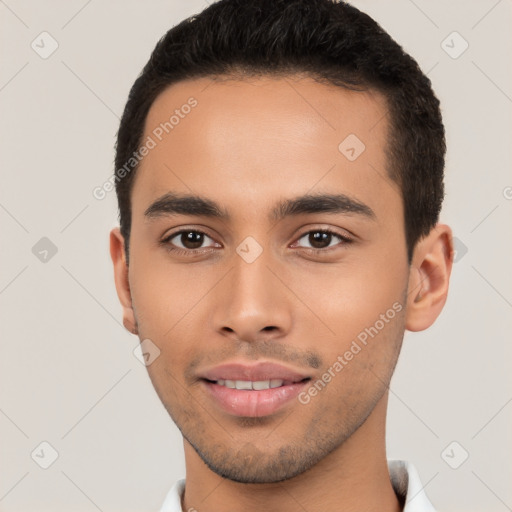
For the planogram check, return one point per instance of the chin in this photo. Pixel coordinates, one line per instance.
(249, 465)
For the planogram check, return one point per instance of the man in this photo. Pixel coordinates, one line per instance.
(279, 173)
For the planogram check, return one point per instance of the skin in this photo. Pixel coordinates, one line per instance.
(247, 145)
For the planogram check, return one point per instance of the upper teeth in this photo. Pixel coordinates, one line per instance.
(248, 384)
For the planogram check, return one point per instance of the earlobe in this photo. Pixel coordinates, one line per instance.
(118, 255)
(429, 278)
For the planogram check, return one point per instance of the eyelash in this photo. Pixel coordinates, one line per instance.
(345, 240)
(184, 252)
(192, 252)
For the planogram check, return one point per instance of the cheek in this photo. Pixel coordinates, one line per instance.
(166, 295)
(167, 301)
(345, 300)
(357, 372)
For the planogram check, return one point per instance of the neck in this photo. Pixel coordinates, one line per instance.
(354, 477)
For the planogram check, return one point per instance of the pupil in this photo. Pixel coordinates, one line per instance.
(192, 239)
(319, 239)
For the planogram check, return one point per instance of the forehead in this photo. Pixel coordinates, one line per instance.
(249, 141)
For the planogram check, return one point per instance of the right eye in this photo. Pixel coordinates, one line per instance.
(187, 241)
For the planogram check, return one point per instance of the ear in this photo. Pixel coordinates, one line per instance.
(118, 255)
(429, 278)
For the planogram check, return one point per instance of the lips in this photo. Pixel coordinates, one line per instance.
(252, 390)
(253, 372)
(257, 385)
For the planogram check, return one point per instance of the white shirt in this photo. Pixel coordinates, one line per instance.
(403, 474)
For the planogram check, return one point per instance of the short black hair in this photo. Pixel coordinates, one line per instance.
(332, 42)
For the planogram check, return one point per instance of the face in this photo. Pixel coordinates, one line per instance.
(285, 277)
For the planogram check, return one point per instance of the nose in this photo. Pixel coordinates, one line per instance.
(252, 303)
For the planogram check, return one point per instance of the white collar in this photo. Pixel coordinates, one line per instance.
(403, 474)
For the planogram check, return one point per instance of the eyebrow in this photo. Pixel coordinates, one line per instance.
(321, 203)
(175, 204)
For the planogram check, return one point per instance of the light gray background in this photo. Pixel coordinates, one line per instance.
(68, 373)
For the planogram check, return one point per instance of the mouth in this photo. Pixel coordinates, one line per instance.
(255, 390)
(256, 385)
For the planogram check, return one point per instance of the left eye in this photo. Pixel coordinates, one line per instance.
(322, 239)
